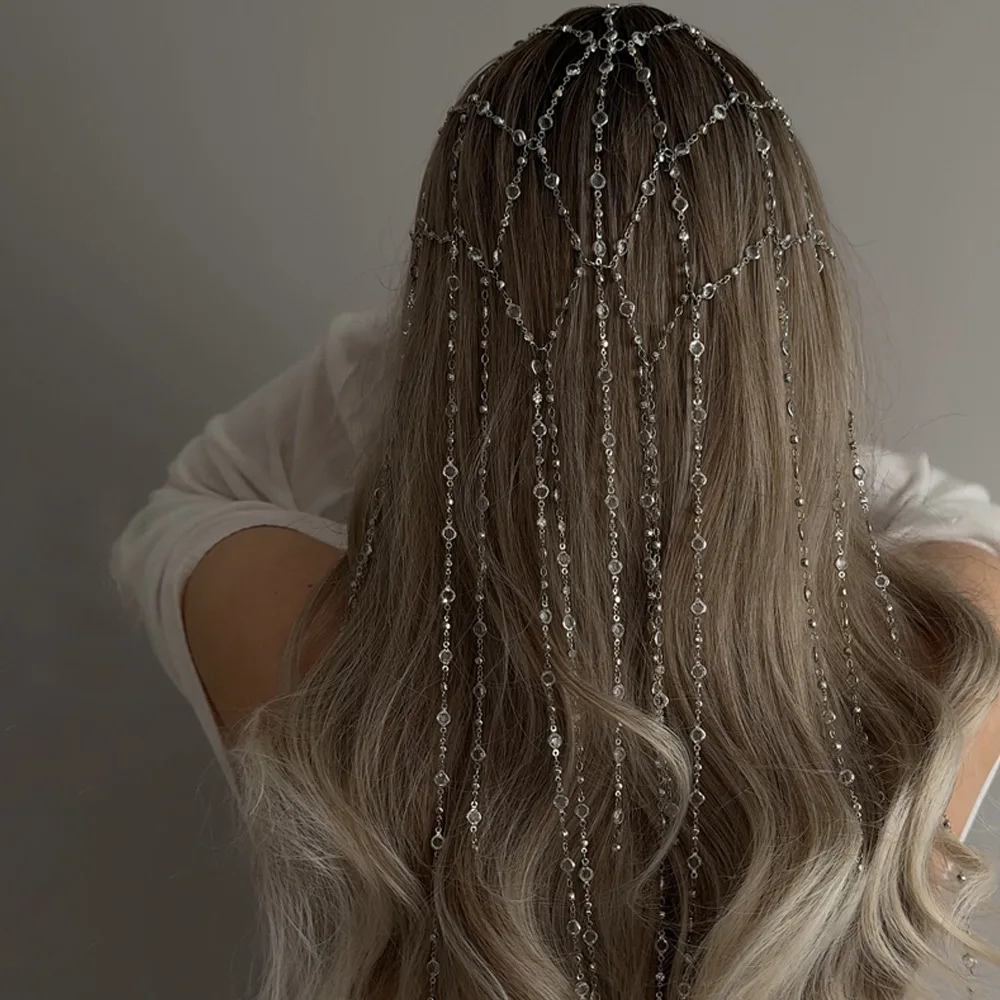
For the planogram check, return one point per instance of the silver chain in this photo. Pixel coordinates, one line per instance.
(579, 872)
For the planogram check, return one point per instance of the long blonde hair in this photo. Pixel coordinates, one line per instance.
(336, 775)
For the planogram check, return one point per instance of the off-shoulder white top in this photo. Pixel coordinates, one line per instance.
(286, 455)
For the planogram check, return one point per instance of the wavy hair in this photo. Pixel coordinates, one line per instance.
(336, 775)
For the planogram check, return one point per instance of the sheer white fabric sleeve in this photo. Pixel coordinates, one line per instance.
(286, 455)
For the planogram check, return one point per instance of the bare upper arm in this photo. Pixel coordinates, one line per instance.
(242, 598)
(977, 574)
(238, 608)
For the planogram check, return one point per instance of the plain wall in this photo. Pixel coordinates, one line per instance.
(190, 190)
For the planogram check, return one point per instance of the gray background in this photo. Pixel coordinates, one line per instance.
(190, 191)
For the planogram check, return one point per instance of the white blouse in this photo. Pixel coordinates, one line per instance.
(286, 455)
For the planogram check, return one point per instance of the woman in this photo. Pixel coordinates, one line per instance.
(616, 664)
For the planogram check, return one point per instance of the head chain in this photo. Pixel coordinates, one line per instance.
(548, 498)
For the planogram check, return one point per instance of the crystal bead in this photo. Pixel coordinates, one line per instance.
(698, 671)
(539, 429)
(447, 595)
(443, 717)
(545, 616)
(697, 798)
(586, 874)
(482, 503)
(441, 779)
(619, 754)
(437, 842)
(699, 607)
(847, 777)
(648, 188)
(573, 927)
(478, 754)
(514, 311)
(449, 534)
(569, 623)
(782, 283)
(840, 562)
(660, 129)
(433, 966)
(474, 816)
(551, 181)
(698, 414)
(642, 74)
(611, 501)
(608, 439)
(545, 122)
(603, 310)
(627, 308)
(453, 282)
(697, 348)
(660, 700)
(618, 691)
(450, 471)
(520, 137)
(600, 248)
(719, 112)
(541, 491)
(604, 375)
(698, 478)
(615, 567)
(555, 740)
(753, 252)
(698, 734)
(537, 367)
(582, 810)
(858, 472)
(513, 191)
(600, 119)
(567, 865)
(446, 656)
(548, 678)
(590, 936)
(479, 629)
(563, 558)
(618, 630)
(680, 203)
(708, 291)
(698, 543)
(597, 180)
(881, 581)
(618, 816)
(763, 145)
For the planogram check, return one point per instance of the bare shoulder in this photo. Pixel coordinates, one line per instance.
(238, 608)
(976, 572)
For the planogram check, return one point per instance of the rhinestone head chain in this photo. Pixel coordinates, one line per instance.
(603, 260)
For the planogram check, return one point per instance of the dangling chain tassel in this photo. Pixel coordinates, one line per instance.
(607, 256)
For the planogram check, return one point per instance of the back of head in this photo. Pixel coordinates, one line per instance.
(623, 700)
